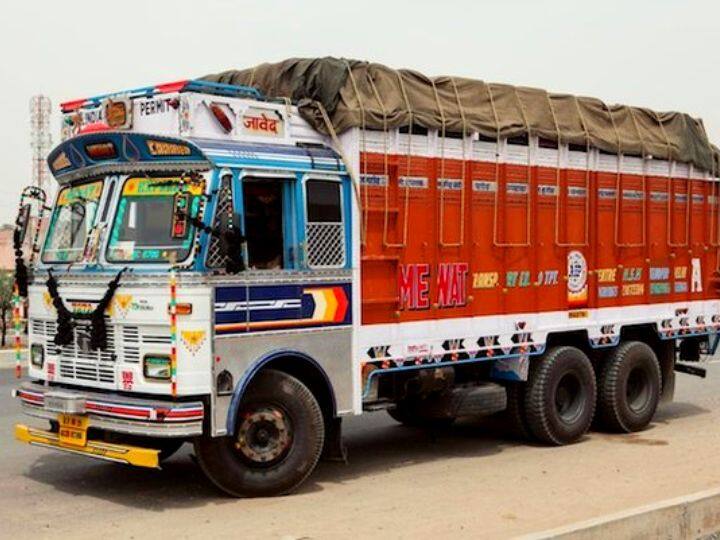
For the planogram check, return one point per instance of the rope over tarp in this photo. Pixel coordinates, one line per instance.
(346, 89)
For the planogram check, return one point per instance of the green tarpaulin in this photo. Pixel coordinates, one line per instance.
(374, 96)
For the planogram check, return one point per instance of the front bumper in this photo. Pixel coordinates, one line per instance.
(117, 413)
(117, 453)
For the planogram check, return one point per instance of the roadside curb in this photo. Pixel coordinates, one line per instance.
(689, 516)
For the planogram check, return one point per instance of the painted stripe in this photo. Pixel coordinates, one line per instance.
(158, 414)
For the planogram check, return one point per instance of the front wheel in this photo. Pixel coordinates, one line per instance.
(515, 416)
(277, 443)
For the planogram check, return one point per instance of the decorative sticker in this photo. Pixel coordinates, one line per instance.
(193, 339)
(485, 280)
(47, 301)
(577, 272)
(122, 303)
(374, 180)
(263, 122)
(696, 276)
(127, 380)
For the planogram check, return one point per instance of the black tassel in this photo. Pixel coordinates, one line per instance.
(21, 271)
(66, 319)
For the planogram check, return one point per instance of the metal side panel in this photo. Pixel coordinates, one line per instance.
(331, 348)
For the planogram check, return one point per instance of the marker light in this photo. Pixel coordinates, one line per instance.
(182, 308)
(37, 355)
(100, 151)
(156, 366)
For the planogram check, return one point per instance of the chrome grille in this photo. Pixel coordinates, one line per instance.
(124, 345)
(131, 343)
(72, 361)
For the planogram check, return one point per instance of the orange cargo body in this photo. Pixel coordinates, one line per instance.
(446, 237)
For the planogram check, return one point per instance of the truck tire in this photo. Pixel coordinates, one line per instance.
(629, 387)
(514, 417)
(277, 443)
(410, 414)
(560, 396)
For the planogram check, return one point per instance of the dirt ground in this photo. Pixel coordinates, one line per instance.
(400, 482)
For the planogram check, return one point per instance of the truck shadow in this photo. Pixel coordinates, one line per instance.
(375, 443)
(677, 409)
(389, 445)
(373, 447)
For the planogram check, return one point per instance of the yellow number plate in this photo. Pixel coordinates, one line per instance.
(73, 429)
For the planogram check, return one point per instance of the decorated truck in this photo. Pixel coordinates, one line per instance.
(240, 261)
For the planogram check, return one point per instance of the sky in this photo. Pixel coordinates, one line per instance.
(660, 54)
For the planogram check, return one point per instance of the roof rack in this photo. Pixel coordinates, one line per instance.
(188, 85)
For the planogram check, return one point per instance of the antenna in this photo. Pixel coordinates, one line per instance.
(40, 139)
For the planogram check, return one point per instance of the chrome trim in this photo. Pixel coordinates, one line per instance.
(189, 429)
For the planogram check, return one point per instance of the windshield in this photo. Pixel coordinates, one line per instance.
(142, 230)
(72, 219)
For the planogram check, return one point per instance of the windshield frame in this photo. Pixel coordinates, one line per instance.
(101, 180)
(107, 255)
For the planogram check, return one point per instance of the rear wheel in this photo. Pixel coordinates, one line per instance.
(629, 388)
(277, 443)
(560, 396)
(515, 416)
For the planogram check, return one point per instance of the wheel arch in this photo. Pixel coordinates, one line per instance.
(301, 366)
(571, 338)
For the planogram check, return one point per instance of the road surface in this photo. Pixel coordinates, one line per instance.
(400, 482)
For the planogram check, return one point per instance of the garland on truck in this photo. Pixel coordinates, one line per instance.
(21, 269)
(66, 318)
(17, 328)
(173, 329)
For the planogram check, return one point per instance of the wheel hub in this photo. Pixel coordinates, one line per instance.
(569, 398)
(264, 435)
(637, 391)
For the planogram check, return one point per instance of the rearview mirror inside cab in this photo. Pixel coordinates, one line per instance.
(180, 219)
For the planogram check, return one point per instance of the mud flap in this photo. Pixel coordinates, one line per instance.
(334, 449)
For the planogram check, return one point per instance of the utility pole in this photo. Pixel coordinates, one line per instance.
(40, 139)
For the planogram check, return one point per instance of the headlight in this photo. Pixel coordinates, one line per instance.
(37, 355)
(156, 366)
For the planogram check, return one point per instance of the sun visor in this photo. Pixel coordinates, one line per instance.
(110, 152)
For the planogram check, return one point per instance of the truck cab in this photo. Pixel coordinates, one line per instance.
(200, 234)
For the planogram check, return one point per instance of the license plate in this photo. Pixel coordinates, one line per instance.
(73, 429)
(63, 402)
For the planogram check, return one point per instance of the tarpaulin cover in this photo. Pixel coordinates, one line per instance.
(374, 96)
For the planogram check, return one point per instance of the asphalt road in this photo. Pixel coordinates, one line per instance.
(400, 482)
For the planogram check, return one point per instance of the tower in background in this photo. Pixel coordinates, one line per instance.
(40, 139)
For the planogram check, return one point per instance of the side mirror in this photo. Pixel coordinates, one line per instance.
(233, 247)
(180, 221)
(22, 222)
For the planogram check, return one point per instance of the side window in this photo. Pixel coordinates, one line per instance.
(264, 222)
(223, 217)
(324, 230)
